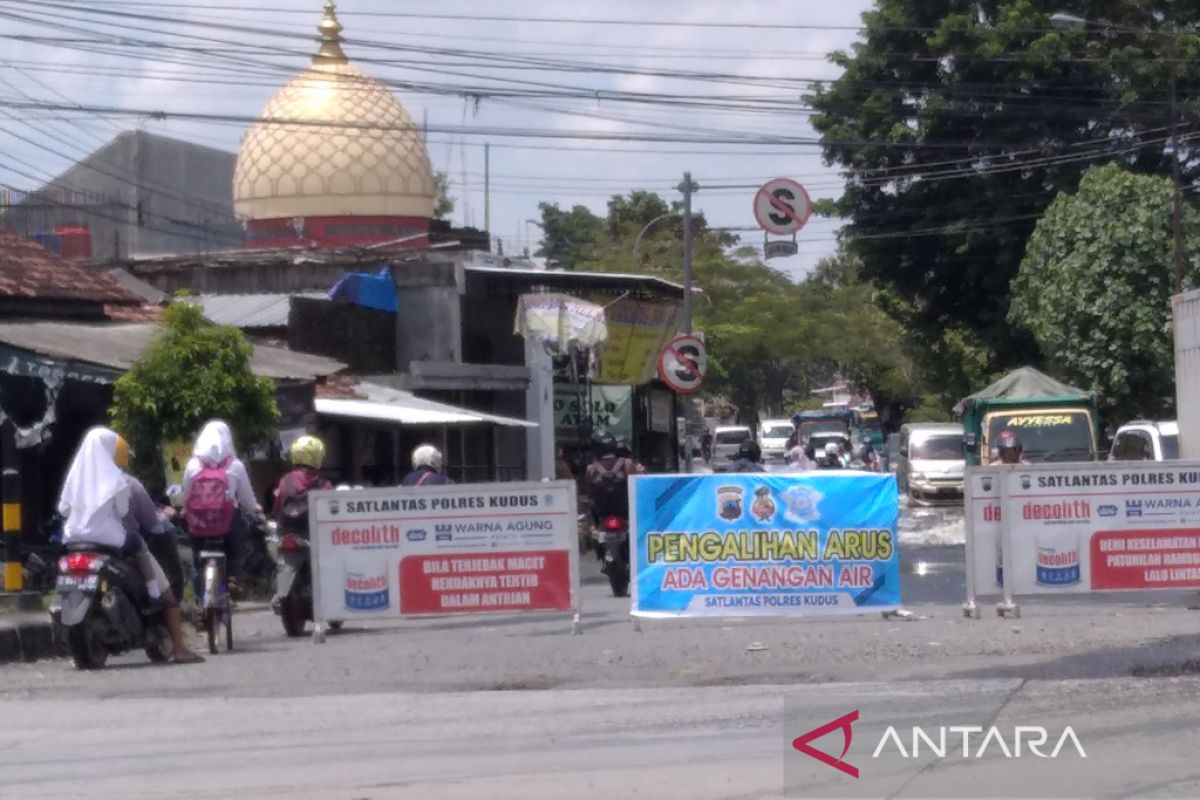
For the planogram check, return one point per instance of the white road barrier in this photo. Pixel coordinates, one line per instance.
(1079, 528)
(463, 549)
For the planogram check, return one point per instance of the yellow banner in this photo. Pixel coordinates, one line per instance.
(637, 332)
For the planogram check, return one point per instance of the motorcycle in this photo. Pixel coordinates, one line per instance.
(104, 608)
(293, 581)
(613, 537)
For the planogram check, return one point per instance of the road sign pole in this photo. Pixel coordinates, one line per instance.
(687, 187)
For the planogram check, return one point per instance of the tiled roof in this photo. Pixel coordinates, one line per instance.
(146, 313)
(340, 387)
(29, 271)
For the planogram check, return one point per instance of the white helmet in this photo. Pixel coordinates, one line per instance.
(427, 456)
(832, 449)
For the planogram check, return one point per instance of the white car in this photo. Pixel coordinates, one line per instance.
(1143, 440)
(773, 435)
(726, 441)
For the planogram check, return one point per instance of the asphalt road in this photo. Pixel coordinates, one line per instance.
(520, 707)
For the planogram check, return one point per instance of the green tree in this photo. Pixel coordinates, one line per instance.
(194, 371)
(956, 122)
(1094, 288)
(443, 203)
(568, 237)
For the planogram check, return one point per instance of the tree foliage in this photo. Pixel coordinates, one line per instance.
(443, 201)
(1094, 289)
(956, 123)
(193, 372)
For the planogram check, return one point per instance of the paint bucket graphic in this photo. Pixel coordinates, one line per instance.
(1057, 559)
(366, 586)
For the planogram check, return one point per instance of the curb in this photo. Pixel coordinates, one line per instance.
(27, 638)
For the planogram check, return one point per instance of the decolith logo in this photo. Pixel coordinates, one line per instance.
(842, 723)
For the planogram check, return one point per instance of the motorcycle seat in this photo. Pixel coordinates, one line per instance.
(92, 547)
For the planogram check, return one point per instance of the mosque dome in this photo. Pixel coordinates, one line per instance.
(334, 144)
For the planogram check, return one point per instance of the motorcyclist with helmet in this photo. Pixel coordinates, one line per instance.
(607, 477)
(749, 457)
(832, 457)
(1010, 447)
(290, 507)
(427, 468)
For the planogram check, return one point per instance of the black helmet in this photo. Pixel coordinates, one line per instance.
(603, 442)
(750, 451)
(622, 447)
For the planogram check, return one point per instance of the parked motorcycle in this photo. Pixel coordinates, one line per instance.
(613, 537)
(104, 607)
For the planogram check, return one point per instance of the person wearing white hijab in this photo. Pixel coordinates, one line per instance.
(94, 503)
(213, 448)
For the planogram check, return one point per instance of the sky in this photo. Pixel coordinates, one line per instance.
(748, 82)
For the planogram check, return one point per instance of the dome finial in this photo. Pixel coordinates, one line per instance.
(331, 37)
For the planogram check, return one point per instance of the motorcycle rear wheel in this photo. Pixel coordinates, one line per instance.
(210, 629)
(618, 580)
(87, 651)
(293, 614)
(156, 644)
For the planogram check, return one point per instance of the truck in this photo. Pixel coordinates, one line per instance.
(1186, 312)
(1054, 421)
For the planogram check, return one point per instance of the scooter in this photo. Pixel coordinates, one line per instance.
(104, 608)
(613, 536)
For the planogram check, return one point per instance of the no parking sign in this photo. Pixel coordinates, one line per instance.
(683, 363)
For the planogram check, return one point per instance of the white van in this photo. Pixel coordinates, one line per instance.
(931, 462)
(773, 435)
(726, 441)
(1143, 440)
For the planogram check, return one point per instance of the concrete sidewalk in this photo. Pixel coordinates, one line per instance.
(26, 636)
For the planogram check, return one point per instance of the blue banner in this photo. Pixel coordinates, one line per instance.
(763, 543)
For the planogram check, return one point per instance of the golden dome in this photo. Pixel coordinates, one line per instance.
(370, 160)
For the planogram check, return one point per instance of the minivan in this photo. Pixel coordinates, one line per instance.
(773, 435)
(1143, 440)
(726, 441)
(931, 462)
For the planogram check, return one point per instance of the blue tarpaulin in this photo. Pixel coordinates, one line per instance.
(368, 290)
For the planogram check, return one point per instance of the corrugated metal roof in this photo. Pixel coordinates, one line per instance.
(29, 271)
(384, 404)
(250, 310)
(119, 345)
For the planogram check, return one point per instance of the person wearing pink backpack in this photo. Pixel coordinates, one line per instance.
(218, 496)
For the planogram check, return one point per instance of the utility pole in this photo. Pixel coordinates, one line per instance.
(487, 188)
(1177, 197)
(688, 188)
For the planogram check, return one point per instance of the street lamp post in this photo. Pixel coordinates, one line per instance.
(637, 243)
(1064, 21)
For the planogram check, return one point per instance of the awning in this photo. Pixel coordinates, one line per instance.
(384, 404)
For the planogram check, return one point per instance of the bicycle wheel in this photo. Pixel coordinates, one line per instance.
(210, 629)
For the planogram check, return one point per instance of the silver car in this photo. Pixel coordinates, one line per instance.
(931, 462)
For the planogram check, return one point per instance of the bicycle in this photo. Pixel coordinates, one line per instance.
(215, 605)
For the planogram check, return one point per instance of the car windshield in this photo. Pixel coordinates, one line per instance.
(777, 432)
(947, 447)
(1170, 446)
(822, 426)
(1047, 435)
(732, 437)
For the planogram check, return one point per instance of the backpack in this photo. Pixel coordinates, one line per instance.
(609, 485)
(293, 512)
(209, 509)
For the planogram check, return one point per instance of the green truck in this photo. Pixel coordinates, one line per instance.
(1054, 421)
